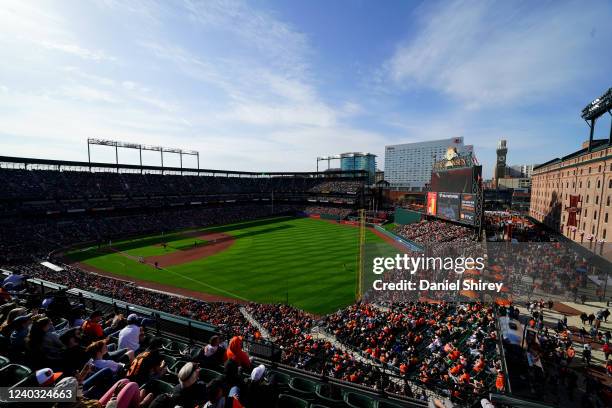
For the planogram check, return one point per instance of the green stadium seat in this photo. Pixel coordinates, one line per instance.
(4, 361)
(330, 395)
(61, 324)
(388, 404)
(28, 381)
(175, 347)
(207, 375)
(11, 374)
(354, 400)
(302, 387)
(289, 401)
(281, 378)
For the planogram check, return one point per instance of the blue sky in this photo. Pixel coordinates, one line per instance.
(270, 85)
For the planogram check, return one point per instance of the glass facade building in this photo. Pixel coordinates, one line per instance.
(359, 161)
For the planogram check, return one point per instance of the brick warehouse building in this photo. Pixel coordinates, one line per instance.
(573, 194)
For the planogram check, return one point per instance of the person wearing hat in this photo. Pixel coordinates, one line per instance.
(72, 384)
(129, 336)
(92, 328)
(190, 391)
(21, 326)
(46, 377)
(233, 399)
(258, 391)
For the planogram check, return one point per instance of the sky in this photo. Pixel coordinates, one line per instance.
(271, 85)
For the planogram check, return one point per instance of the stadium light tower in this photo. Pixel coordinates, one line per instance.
(140, 148)
(595, 110)
(328, 159)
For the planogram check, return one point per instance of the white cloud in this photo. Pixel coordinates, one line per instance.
(497, 53)
(77, 51)
(27, 24)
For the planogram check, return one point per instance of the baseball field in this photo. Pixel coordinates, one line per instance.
(308, 263)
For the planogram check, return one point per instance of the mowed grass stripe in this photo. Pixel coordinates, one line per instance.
(312, 263)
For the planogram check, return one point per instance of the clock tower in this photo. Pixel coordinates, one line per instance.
(500, 166)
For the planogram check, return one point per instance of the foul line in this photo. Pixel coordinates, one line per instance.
(137, 259)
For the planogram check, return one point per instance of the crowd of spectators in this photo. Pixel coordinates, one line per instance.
(114, 360)
(319, 209)
(557, 362)
(338, 186)
(433, 232)
(506, 226)
(448, 347)
(225, 315)
(61, 185)
(288, 327)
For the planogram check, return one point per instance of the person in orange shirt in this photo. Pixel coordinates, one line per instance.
(464, 377)
(500, 381)
(235, 352)
(92, 327)
(456, 369)
(571, 353)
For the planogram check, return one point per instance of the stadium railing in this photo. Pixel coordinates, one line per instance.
(190, 329)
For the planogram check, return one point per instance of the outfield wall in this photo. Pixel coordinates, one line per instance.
(403, 216)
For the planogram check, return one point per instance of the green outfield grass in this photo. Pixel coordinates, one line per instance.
(307, 262)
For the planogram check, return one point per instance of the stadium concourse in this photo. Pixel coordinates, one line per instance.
(365, 355)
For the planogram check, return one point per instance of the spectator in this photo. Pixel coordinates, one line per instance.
(97, 350)
(235, 353)
(215, 394)
(130, 335)
(92, 328)
(190, 391)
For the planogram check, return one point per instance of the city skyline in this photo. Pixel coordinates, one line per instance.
(272, 85)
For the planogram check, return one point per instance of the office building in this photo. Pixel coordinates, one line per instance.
(573, 194)
(409, 165)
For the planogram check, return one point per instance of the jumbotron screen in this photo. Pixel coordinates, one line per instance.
(448, 206)
(453, 181)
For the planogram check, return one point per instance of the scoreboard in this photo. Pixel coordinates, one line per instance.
(454, 194)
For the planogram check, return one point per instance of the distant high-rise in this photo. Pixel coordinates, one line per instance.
(359, 161)
(522, 170)
(409, 165)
